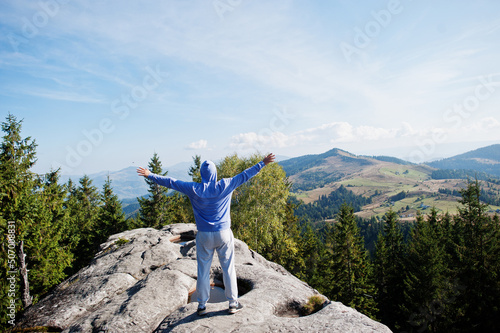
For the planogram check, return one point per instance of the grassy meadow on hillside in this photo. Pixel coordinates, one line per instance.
(382, 181)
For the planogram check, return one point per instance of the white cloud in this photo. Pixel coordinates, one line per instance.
(254, 141)
(200, 144)
(482, 125)
(336, 133)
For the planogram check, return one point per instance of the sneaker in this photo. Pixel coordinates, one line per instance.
(201, 311)
(235, 308)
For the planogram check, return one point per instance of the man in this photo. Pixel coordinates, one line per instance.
(211, 200)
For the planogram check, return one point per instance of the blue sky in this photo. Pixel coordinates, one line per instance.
(102, 85)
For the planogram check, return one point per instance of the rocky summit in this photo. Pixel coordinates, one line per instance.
(143, 280)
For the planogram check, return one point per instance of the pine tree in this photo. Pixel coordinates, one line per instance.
(351, 273)
(389, 272)
(153, 210)
(427, 269)
(70, 207)
(17, 184)
(477, 260)
(33, 205)
(310, 251)
(111, 219)
(46, 242)
(179, 208)
(194, 171)
(83, 204)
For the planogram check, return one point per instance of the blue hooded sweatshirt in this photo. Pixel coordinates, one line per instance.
(210, 199)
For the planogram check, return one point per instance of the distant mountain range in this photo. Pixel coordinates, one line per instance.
(317, 174)
(486, 159)
(126, 183)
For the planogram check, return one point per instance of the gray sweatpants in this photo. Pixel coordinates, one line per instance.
(222, 242)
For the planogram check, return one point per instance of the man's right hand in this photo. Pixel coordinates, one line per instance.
(143, 172)
(269, 159)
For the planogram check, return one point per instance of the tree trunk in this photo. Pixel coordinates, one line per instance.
(25, 287)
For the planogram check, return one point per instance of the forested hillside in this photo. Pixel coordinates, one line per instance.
(327, 206)
(313, 171)
(483, 160)
(438, 274)
(389, 183)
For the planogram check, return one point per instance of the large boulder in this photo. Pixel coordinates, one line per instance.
(143, 281)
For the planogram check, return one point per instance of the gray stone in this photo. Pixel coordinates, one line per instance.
(141, 281)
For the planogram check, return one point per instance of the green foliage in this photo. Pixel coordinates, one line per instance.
(160, 207)
(327, 206)
(45, 243)
(110, 219)
(350, 278)
(400, 196)
(460, 174)
(389, 271)
(153, 209)
(313, 305)
(83, 205)
(33, 206)
(476, 241)
(311, 251)
(121, 241)
(427, 268)
(392, 160)
(194, 171)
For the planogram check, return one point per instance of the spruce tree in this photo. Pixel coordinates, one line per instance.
(46, 243)
(389, 272)
(178, 206)
(351, 273)
(17, 183)
(33, 206)
(194, 171)
(427, 270)
(111, 219)
(477, 260)
(83, 204)
(153, 209)
(311, 250)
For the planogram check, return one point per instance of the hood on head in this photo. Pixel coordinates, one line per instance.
(208, 172)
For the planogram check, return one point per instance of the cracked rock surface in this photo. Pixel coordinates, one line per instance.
(141, 280)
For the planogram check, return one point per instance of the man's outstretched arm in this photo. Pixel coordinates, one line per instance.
(250, 172)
